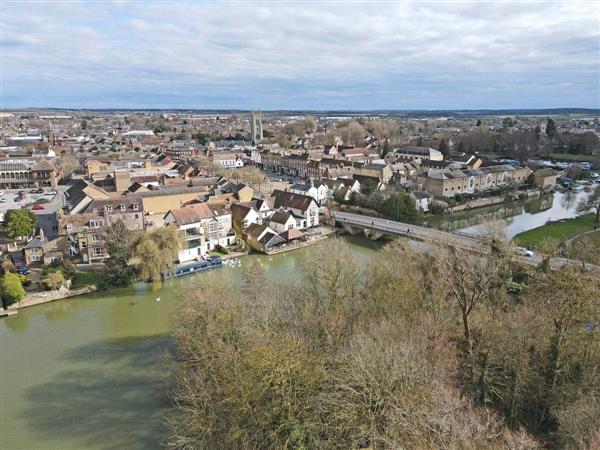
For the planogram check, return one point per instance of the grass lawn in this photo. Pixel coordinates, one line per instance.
(82, 279)
(216, 253)
(560, 231)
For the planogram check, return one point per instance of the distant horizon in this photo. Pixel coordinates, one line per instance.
(327, 55)
(299, 110)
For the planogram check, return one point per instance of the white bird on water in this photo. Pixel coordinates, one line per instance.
(158, 299)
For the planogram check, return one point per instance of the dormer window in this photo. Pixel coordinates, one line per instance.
(109, 208)
(69, 227)
(135, 206)
(122, 207)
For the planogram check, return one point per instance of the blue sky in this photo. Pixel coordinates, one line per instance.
(300, 55)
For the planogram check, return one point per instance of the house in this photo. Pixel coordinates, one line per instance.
(303, 207)
(282, 221)
(227, 159)
(262, 237)
(382, 171)
(415, 152)
(545, 177)
(448, 183)
(42, 250)
(85, 228)
(422, 200)
(317, 190)
(229, 192)
(243, 215)
(45, 173)
(203, 227)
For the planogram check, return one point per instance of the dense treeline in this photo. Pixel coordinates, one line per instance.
(445, 350)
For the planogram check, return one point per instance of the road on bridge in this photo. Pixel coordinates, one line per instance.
(432, 235)
(409, 230)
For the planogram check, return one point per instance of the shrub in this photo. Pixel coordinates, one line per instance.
(11, 289)
(53, 280)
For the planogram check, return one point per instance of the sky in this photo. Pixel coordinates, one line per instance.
(336, 55)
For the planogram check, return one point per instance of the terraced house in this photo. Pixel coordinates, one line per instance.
(85, 230)
(448, 183)
(202, 227)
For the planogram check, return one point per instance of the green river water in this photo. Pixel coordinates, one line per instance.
(90, 372)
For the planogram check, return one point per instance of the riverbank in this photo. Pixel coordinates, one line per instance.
(324, 233)
(39, 298)
(490, 201)
(561, 231)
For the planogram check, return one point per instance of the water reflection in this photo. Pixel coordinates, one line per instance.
(516, 216)
(113, 399)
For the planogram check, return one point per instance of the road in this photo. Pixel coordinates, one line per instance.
(434, 236)
(409, 230)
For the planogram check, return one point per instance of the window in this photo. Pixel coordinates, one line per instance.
(96, 223)
(135, 206)
(83, 244)
(97, 251)
(69, 227)
(109, 208)
(34, 251)
(35, 258)
(137, 216)
(122, 207)
(96, 238)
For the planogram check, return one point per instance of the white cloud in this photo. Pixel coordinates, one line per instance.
(226, 49)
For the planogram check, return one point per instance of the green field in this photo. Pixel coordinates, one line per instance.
(560, 231)
(82, 279)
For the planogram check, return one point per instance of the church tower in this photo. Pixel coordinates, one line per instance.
(256, 127)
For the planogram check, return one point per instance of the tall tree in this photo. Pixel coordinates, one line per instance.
(118, 243)
(444, 148)
(20, 222)
(551, 130)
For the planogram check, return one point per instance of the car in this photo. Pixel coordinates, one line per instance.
(3, 200)
(37, 207)
(23, 269)
(50, 193)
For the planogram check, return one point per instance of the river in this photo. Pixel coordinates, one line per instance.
(518, 216)
(90, 372)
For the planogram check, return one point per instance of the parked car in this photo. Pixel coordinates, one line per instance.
(37, 207)
(1, 192)
(23, 269)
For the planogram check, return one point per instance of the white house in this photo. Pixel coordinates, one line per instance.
(303, 207)
(244, 214)
(282, 221)
(422, 199)
(319, 191)
(202, 228)
(229, 160)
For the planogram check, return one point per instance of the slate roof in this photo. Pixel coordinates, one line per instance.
(292, 200)
(195, 213)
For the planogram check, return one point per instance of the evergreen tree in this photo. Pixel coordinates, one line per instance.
(443, 148)
(551, 130)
